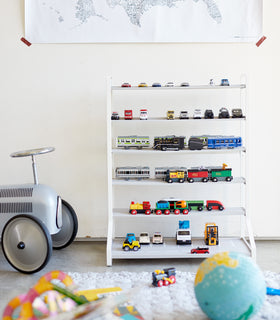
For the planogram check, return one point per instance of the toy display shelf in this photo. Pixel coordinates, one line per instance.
(233, 211)
(158, 182)
(150, 119)
(169, 249)
(163, 153)
(213, 87)
(119, 219)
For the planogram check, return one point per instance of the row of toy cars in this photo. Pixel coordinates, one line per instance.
(224, 82)
(177, 174)
(130, 242)
(184, 115)
(177, 143)
(174, 206)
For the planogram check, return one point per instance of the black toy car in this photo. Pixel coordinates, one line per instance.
(223, 113)
(115, 116)
(237, 113)
(208, 114)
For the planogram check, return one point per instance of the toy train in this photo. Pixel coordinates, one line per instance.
(174, 206)
(177, 143)
(179, 174)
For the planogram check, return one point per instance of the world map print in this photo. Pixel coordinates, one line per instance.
(142, 20)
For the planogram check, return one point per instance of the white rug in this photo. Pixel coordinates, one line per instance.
(173, 302)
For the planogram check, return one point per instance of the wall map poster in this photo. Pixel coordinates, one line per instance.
(84, 21)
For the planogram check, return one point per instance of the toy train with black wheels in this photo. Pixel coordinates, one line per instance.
(172, 142)
(177, 174)
(174, 206)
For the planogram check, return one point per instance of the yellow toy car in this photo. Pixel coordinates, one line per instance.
(170, 115)
(142, 84)
(134, 245)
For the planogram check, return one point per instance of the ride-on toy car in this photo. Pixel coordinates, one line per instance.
(34, 220)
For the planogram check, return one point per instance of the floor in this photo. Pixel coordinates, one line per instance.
(91, 256)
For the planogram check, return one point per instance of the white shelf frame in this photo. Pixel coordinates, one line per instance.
(245, 244)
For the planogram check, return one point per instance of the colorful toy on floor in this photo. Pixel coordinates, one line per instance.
(229, 286)
(164, 277)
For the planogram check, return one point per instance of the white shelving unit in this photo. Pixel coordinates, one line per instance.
(235, 232)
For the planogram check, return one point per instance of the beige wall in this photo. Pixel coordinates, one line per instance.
(55, 95)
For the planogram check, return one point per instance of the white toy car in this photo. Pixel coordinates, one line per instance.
(184, 115)
(197, 114)
(157, 238)
(170, 84)
(144, 238)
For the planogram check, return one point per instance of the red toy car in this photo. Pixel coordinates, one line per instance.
(126, 85)
(128, 114)
(200, 250)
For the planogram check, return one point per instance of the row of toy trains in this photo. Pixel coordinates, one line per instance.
(173, 142)
(174, 206)
(180, 174)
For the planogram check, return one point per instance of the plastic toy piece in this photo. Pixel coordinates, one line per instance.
(184, 115)
(211, 82)
(223, 113)
(170, 115)
(211, 234)
(126, 85)
(200, 250)
(156, 84)
(157, 238)
(143, 114)
(51, 222)
(224, 82)
(214, 205)
(169, 84)
(128, 115)
(133, 142)
(144, 238)
(272, 292)
(237, 113)
(164, 277)
(115, 116)
(175, 176)
(138, 173)
(214, 142)
(185, 84)
(197, 114)
(183, 234)
(208, 114)
(142, 84)
(169, 143)
(130, 243)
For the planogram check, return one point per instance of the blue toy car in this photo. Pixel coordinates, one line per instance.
(156, 84)
(224, 82)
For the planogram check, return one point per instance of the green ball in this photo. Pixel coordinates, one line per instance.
(229, 286)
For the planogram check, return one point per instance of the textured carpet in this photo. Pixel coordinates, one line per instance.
(173, 302)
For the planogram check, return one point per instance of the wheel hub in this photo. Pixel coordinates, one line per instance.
(21, 245)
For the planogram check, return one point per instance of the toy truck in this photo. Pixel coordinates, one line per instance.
(175, 176)
(183, 234)
(211, 234)
(144, 207)
(164, 277)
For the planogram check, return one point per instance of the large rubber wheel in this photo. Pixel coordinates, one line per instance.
(69, 229)
(26, 243)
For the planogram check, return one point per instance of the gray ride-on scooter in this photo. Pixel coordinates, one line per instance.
(34, 220)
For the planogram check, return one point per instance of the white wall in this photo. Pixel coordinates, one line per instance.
(55, 95)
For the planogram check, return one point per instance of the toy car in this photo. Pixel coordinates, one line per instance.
(223, 113)
(164, 277)
(144, 238)
(170, 115)
(214, 204)
(134, 245)
(200, 250)
(170, 84)
(128, 114)
(237, 113)
(157, 238)
(156, 84)
(185, 84)
(115, 116)
(126, 85)
(208, 114)
(224, 82)
(184, 115)
(34, 220)
(143, 114)
(197, 114)
(142, 84)
(211, 82)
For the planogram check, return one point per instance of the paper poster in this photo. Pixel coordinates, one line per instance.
(95, 21)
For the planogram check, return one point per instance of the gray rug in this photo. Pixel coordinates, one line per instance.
(173, 302)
